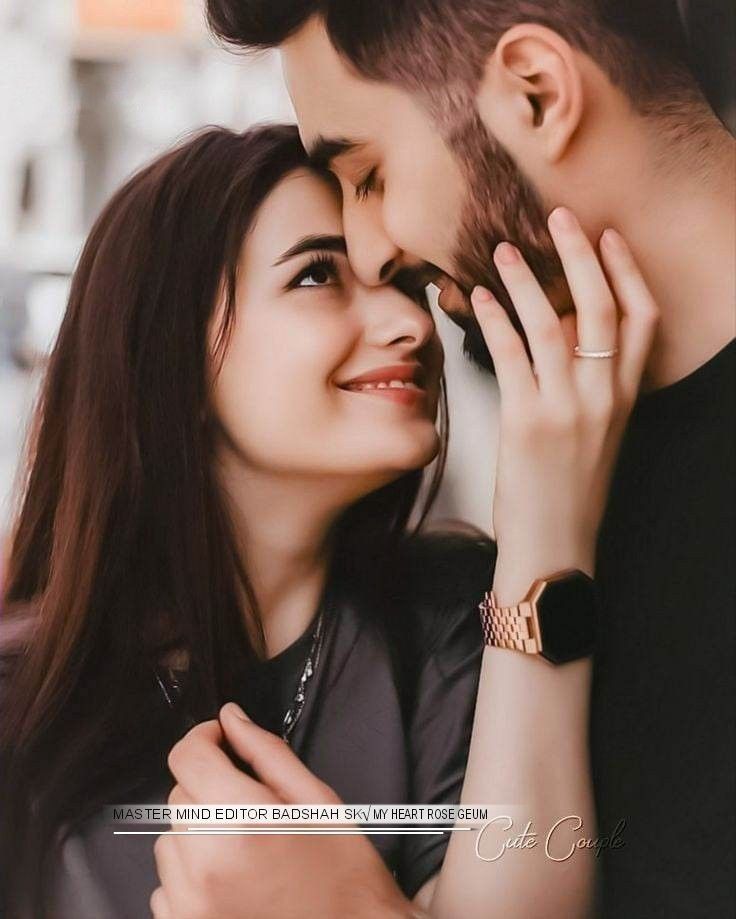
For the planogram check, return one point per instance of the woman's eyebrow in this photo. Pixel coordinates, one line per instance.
(312, 244)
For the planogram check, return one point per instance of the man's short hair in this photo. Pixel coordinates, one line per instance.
(432, 45)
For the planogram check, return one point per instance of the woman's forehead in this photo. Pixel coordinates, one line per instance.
(302, 204)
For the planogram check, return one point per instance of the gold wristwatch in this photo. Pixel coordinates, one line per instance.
(557, 618)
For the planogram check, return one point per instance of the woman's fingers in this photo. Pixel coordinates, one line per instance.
(595, 306)
(159, 905)
(173, 857)
(179, 798)
(169, 866)
(541, 324)
(510, 360)
(207, 774)
(596, 314)
(273, 760)
(638, 308)
(613, 310)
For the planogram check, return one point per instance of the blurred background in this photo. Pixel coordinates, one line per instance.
(91, 89)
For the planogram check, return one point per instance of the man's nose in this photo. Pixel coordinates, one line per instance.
(374, 257)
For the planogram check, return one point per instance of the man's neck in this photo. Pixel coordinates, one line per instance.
(681, 226)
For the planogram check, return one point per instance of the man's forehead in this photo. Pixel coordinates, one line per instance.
(313, 69)
(350, 123)
(334, 104)
(335, 119)
(329, 125)
(332, 134)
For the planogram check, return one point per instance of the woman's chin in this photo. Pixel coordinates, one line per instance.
(414, 454)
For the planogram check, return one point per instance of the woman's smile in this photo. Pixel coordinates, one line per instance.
(400, 383)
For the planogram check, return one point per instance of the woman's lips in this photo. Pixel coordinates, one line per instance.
(400, 383)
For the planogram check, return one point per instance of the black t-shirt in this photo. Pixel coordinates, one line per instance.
(269, 686)
(662, 715)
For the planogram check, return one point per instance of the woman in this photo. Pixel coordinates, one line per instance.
(227, 454)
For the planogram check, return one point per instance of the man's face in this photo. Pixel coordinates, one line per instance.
(415, 195)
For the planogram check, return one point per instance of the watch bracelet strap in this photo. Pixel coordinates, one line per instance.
(508, 626)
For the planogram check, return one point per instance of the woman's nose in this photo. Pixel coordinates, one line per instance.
(392, 318)
(374, 257)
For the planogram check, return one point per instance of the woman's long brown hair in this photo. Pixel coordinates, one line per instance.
(123, 548)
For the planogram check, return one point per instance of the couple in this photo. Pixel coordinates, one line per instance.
(227, 460)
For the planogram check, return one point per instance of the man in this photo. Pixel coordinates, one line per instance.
(452, 125)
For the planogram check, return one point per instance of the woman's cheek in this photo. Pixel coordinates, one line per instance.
(303, 362)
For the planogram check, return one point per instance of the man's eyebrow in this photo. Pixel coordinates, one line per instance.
(313, 244)
(323, 150)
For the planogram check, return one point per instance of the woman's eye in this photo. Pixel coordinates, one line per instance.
(316, 277)
(319, 274)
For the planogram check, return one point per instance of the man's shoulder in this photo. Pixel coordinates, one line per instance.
(444, 564)
(437, 581)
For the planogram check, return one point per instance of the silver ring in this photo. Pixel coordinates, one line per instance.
(578, 352)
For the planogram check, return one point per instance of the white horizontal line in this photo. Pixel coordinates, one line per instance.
(194, 831)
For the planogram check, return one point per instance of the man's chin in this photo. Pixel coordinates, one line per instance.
(455, 303)
(475, 348)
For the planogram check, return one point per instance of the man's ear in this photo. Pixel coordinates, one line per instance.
(531, 94)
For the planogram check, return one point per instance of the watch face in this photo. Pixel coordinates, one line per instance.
(567, 611)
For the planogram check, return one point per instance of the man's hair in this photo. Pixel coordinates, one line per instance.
(436, 47)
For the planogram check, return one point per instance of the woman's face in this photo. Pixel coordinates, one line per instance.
(323, 376)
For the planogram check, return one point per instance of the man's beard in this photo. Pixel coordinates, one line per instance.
(501, 205)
